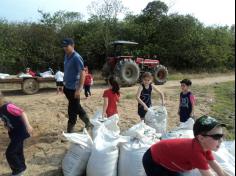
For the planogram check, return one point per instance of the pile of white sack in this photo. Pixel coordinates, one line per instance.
(4, 76)
(111, 153)
(47, 74)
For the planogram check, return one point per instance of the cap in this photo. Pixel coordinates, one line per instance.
(205, 124)
(67, 41)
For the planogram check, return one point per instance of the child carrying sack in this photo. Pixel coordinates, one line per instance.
(156, 118)
(76, 159)
(131, 153)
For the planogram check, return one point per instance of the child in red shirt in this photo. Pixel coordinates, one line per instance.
(174, 156)
(111, 98)
(88, 83)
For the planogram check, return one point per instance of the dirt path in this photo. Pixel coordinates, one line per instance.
(48, 115)
(204, 81)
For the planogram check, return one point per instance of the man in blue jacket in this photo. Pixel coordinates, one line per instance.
(74, 76)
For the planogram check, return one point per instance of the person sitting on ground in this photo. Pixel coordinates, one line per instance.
(16, 122)
(187, 101)
(111, 98)
(144, 95)
(175, 156)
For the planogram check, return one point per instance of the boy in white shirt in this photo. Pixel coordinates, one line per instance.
(59, 81)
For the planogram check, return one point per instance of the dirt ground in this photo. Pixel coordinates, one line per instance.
(48, 115)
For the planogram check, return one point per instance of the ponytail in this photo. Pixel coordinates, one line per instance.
(115, 86)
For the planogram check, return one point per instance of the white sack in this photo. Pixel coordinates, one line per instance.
(110, 123)
(104, 157)
(76, 159)
(131, 153)
(156, 117)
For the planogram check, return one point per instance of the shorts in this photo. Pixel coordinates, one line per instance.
(153, 169)
(141, 112)
(59, 84)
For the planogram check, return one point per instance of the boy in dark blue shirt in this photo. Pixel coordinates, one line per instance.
(187, 101)
(16, 122)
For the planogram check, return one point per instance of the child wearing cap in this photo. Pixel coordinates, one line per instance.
(187, 101)
(174, 156)
(16, 122)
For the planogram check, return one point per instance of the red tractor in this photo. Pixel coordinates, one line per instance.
(128, 69)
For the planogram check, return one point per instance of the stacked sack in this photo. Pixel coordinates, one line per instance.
(110, 154)
(76, 159)
(105, 152)
(131, 153)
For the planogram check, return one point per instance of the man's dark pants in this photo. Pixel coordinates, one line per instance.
(75, 108)
(15, 156)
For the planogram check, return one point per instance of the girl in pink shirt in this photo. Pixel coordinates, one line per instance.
(16, 122)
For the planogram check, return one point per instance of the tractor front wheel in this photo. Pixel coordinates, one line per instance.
(160, 75)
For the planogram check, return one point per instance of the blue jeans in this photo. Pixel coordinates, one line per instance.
(153, 169)
(15, 156)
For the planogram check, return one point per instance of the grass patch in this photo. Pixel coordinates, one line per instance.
(180, 76)
(224, 106)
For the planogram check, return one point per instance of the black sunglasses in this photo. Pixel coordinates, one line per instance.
(214, 136)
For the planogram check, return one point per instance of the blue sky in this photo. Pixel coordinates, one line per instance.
(210, 12)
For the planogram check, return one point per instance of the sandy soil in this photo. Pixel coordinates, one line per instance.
(48, 115)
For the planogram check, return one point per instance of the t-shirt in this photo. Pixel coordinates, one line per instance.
(31, 73)
(146, 96)
(113, 99)
(73, 65)
(11, 116)
(59, 76)
(181, 155)
(88, 80)
(187, 100)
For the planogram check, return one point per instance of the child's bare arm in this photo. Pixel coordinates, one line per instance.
(27, 124)
(161, 94)
(105, 106)
(138, 98)
(206, 173)
(216, 167)
(192, 99)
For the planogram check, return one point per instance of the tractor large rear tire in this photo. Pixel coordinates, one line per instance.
(160, 75)
(30, 86)
(127, 73)
(106, 72)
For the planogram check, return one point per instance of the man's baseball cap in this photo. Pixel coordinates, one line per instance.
(205, 124)
(67, 41)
